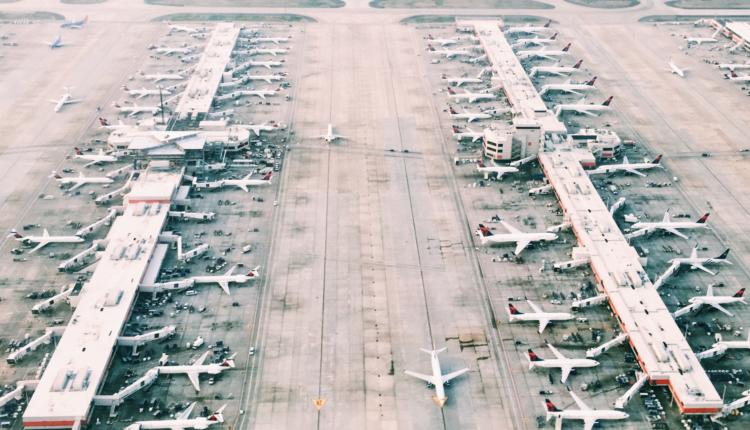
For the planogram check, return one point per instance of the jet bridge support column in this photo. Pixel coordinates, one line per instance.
(623, 400)
(595, 352)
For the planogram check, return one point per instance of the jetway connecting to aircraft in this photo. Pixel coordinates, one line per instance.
(623, 400)
(115, 400)
(17, 393)
(599, 350)
(44, 339)
(144, 338)
(111, 214)
(77, 261)
(57, 298)
(591, 301)
(169, 237)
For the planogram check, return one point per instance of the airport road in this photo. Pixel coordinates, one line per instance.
(371, 259)
(681, 118)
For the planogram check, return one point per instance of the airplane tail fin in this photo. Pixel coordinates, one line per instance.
(608, 101)
(703, 219)
(578, 64)
(657, 160)
(218, 416)
(55, 175)
(549, 22)
(430, 47)
(739, 293)
(567, 47)
(15, 234)
(267, 176)
(451, 110)
(77, 150)
(732, 73)
(480, 164)
(554, 36)
(533, 357)
(450, 91)
(455, 129)
(103, 122)
(228, 362)
(254, 273)
(550, 406)
(484, 230)
(591, 82)
(512, 310)
(723, 255)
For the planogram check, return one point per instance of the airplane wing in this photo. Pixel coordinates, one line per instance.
(244, 187)
(38, 246)
(588, 112)
(582, 406)
(255, 130)
(578, 93)
(186, 413)
(534, 307)
(588, 423)
(703, 268)
(91, 163)
(635, 172)
(510, 228)
(521, 245)
(557, 353)
(261, 96)
(76, 186)
(475, 138)
(565, 373)
(471, 118)
(455, 374)
(224, 286)
(558, 424)
(201, 359)
(193, 376)
(422, 376)
(687, 309)
(543, 324)
(721, 308)
(675, 232)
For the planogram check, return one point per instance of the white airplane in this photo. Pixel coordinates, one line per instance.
(266, 64)
(674, 68)
(738, 78)
(158, 77)
(470, 97)
(569, 87)
(584, 108)
(627, 166)
(458, 81)
(227, 278)
(330, 137)
(535, 41)
(267, 78)
(696, 262)
(184, 29)
(538, 315)
(144, 92)
(260, 93)
(733, 344)
(529, 29)
(65, 99)
(166, 50)
(555, 70)
(566, 365)
(44, 240)
(269, 51)
(437, 379)
(193, 371)
(181, 421)
(477, 60)
(257, 128)
(450, 53)
(468, 116)
(80, 180)
(498, 171)
(75, 24)
(586, 414)
(467, 134)
(714, 301)
(442, 42)
(56, 43)
(100, 157)
(103, 123)
(734, 66)
(543, 53)
(135, 109)
(667, 225)
(521, 239)
(274, 40)
(701, 40)
(247, 182)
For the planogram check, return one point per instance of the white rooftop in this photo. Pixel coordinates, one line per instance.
(204, 82)
(741, 29)
(79, 364)
(517, 86)
(660, 347)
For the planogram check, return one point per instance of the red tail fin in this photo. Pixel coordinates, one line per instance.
(567, 47)
(732, 74)
(267, 176)
(703, 219)
(578, 64)
(554, 36)
(739, 293)
(450, 91)
(455, 129)
(533, 356)
(451, 110)
(16, 234)
(429, 37)
(657, 160)
(551, 406)
(548, 23)
(513, 310)
(430, 47)
(78, 150)
(103, 122)
(608, 101)
(484, 230)
(480, 164)
(591, 82)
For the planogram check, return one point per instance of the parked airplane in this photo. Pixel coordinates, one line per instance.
(260, 93)
(543, 53)
(539, 315)
(80, 180)
(144, 92)
(437, 379)
(56, 43)
(184, 29)
(257, 128)
(44, 240)
(274, 40)
(738, 78)
(103, 123)
(470, 97)
(468, 116)
(569, 87)
(267, 78)
(529, 29)
(627, 166)
(458, 81)
(100, 157)
(667, 225)
(734, 66)
(714, 301)
(696, 262)
(247, 182)
(585, 413)
(181, 421)
(330, 137)
(450, 53)
(467, 134)
(135, 109)
(193, 371)
(266, 64)
(701, 40)
(227, 278)
(584, 108)
(566, 365)
(158, 77)
(676, 69)
(166, 50)
(75, 24)
(732, 344)
(498, 171)
(555, 70)
(535, 41)
(65, 99)
(270, 51)
(521, 239)
(442, 42)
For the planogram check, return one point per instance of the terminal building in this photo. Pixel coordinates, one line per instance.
(739, 32)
